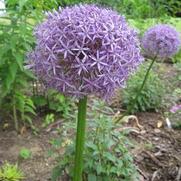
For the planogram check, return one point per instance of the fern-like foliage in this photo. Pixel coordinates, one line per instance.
(16, 40)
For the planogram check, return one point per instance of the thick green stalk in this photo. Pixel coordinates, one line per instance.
(139, 92)
(80, 139)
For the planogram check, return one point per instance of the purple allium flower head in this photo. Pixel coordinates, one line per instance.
(85, 49)
(161, 41)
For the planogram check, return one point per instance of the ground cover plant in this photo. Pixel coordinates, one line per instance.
(9, 172)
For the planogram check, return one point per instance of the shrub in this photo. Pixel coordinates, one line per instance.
(151, 95)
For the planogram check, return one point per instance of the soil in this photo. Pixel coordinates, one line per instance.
(36, 168)
(158, 149)
(157, 153)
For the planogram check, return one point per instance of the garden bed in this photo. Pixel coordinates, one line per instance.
(157, 152)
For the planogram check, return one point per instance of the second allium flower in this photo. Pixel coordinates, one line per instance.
(161, 41)
(85, 49)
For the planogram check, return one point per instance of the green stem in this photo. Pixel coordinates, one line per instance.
(15, 116)
(139, 92)
(80, 139)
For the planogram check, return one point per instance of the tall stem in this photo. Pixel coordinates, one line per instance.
(80, 139)
(15, 116)
(139, 92)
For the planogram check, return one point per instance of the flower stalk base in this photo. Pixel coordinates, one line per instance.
(80, 139)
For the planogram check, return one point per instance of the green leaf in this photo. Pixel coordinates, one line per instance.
(91, 145)
(11, 74)
(3, 52)
(110, 157)
(28, 119)
(29, 110)
(39, 101)
(56, 172)
(19, 59)
(29, 74)
(98, 168)
(20, 103)
(92, 177)
(22, 4)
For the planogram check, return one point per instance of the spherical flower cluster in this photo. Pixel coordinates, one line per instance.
(84, 50)
(161, 41)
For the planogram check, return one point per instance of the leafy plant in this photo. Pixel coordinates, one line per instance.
(131, 8)
(172, 7)
(151, 96)
(106, 157)
(57, 102)
(177, 58)
(32, 4)
(15, 41)
(25, 153)
(52, 101)
(9, 172)
(50, 118)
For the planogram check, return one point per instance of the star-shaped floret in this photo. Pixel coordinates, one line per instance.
(64, 82)
(99, 61)
(92, 83)
(112, 42)
(66, 48)
(81, 48)
(81, 65)
(86, 32)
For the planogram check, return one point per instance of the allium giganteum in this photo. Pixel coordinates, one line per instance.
(161, 41)
(84, 50)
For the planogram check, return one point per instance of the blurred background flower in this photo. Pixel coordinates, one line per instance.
(161, 40)
(175, 108)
